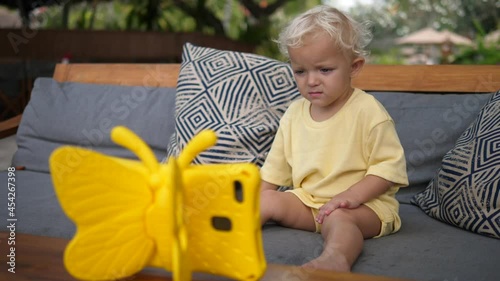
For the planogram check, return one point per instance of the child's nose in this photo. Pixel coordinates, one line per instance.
(312, 79)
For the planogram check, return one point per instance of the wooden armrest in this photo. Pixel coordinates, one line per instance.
(9, 126)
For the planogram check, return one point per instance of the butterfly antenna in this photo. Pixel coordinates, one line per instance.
(128, 139)
(200, 142)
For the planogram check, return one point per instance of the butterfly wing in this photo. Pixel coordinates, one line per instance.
(106, 197)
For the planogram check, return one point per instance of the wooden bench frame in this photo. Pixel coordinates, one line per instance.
(402, 78)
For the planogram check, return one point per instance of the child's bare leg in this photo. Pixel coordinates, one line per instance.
(344, 231)
(286, 209)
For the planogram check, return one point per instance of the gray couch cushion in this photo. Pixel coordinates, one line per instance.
(428, 126)
(83, 114)
(427, 249)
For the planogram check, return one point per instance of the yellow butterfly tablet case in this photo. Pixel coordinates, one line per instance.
(132, 214)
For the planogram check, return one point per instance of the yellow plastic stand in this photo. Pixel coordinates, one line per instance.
(133, 214)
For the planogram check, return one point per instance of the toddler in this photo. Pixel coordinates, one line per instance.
(336, 146)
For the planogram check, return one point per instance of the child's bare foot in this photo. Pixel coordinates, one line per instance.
(329, 262)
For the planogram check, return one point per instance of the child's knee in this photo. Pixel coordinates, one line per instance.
(363, 218)
(342, 214)
(339, 217)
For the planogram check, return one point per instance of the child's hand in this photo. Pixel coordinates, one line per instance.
(363, 191)
(342, 200)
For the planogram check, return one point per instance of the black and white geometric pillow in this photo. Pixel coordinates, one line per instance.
(466, 190)
(241, 96)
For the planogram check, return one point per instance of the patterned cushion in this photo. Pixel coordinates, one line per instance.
(466, 190)
(240, 96)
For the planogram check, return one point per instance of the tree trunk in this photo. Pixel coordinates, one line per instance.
(65, 14)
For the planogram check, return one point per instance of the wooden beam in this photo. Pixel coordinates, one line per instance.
(146, 75)
(406, 78)
(430, 78)
(9, 126)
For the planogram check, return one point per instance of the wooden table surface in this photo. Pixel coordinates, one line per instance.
(40, 258)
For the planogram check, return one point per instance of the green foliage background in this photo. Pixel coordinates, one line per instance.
(253, 22)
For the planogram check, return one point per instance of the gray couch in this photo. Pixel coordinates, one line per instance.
(82, 114)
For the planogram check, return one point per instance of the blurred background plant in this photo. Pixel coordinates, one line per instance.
(485, 51)
(257, 22)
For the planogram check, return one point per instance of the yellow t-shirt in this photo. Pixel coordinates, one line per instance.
(322, 159)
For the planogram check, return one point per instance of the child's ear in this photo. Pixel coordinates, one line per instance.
(356, 66)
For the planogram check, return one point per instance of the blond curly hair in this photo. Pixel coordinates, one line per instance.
(349, 35)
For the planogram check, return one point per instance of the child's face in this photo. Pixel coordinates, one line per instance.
(323, 74)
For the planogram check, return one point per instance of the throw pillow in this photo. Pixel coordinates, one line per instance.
(466, 190)
(241, 96)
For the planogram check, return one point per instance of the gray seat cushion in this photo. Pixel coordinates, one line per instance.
(428, 249)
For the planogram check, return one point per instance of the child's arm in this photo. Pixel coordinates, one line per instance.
(363, 191)
(267, 186)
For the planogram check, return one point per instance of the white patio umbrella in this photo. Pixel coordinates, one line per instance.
(430, 36)
(9, 19)
(493, 38)
(456, 39)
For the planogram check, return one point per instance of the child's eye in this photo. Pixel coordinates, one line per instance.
(326, 70)
(299, 72)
